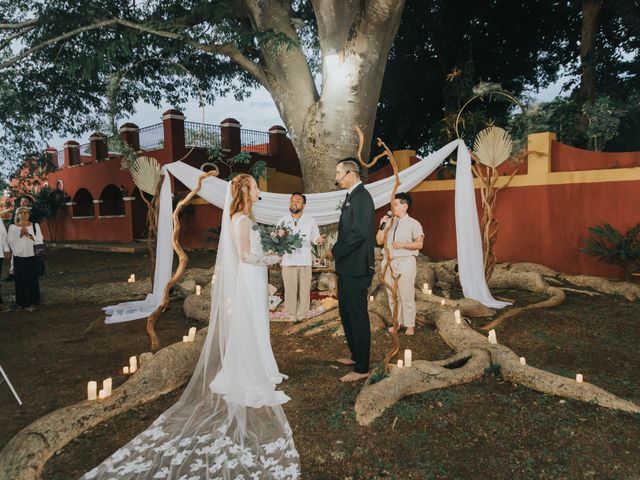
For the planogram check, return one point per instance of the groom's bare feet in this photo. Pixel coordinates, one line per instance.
(354, 377)
(345, 361)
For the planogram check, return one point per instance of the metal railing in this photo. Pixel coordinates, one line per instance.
(254, 141)
(203, 135)
(152, 137)
(85, 149)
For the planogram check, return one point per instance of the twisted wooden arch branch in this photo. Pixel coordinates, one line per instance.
(182, 261)
(387, 266)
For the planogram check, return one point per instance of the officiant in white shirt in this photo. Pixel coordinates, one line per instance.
(296, 266)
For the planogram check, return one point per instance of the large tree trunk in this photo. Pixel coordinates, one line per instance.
(355, 40)
(589, 32)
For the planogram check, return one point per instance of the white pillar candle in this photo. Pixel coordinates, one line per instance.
(370, 298)
(579, 378)
(443, 302)
(492, 337)
(125, 370)
(92, 388)
(425, 286)
(399, 363)
(107, 383)
(407, 358)
(457, 317)
(133, 364)
(523, 361)
(192, 334)
(198, 289)
(429, 292)
(185, 338)
(132, 278)
(102, 394)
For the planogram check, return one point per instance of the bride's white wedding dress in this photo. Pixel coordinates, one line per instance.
(229, 423)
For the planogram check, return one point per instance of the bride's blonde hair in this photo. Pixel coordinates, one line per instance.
(240, 194)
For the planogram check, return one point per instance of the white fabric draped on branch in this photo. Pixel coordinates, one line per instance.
(324, 208)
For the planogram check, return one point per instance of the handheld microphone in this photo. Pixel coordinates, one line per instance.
(384, 224)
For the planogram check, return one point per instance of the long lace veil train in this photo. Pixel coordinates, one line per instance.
(204, 436)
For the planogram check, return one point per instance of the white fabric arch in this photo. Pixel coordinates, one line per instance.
(324, 208)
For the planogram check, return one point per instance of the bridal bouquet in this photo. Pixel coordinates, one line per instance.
(278, 239)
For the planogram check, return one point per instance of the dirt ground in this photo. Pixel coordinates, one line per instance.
(488, 429)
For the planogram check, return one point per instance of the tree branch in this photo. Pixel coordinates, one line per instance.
(12, 37)
(17, 26)
(226, 49)
(26, 53)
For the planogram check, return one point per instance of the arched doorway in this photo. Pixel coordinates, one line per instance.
(83, 204)
(111, 202)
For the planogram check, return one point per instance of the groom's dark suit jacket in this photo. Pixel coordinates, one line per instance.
(354, 249)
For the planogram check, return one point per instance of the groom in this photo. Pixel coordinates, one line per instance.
(354, 257)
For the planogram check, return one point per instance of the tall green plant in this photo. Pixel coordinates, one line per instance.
(612, 247)
(46, 204)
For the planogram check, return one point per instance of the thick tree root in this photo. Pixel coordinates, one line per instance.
(25, 455)
(531, 281)
(422, 376)
(475, 354)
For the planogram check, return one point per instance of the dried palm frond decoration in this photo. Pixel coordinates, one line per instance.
(146, 173)
(147, 176)
(493, 146)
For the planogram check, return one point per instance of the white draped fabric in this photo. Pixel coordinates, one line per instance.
(324, 207)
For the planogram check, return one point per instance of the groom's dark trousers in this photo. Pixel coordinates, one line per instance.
(354, 257)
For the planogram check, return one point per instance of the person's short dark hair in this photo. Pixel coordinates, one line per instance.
(350, 164)
(405, 198)
(304, 198)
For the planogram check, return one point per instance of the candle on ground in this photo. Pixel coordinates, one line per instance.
(92, 388)
(429, 292)
(443, 302)
(185, 338)
(579, 378)
(370, 298)
(492, 337)
(107, 383)
(192, 334)
(407, 358)
(102, 394)
(523, 361)
(132, 278)
(125, 370)
(133, 364)
(457, 317)
(400, 363)
(198, 289)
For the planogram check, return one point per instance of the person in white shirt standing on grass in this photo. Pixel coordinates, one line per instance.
(405, 240)
(296, 266)
(5, 251)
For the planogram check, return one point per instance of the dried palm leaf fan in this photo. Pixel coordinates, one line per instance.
(146, 174)
(493, 146)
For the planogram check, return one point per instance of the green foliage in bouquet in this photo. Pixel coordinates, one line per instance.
(278, 239)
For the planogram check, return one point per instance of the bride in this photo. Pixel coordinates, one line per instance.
(229, 423)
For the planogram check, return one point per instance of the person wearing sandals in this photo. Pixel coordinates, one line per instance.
(22, 237)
